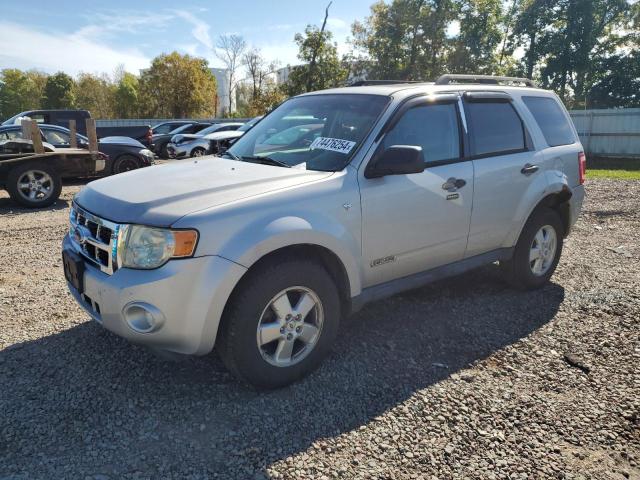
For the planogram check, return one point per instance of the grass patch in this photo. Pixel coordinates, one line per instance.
(615, 174)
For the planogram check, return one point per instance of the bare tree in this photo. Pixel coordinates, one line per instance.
(258, 69)
(229, 49)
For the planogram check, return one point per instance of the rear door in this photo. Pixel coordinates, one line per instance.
(412, 223)
(505, 166)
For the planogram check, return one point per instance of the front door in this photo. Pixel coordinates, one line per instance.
(412, 223)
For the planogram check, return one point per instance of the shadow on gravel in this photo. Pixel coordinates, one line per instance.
(8, 206)
(85, 402)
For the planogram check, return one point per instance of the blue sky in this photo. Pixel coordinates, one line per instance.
(72, 36)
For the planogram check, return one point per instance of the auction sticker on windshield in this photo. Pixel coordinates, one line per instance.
(333, 144)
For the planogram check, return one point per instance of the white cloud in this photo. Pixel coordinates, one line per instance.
(22, 47)
(337, 24)
(200, 29)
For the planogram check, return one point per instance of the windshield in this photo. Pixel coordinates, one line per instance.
(249, 124)
(315, 132)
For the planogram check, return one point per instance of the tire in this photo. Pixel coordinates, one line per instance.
(125, 163)
(164, 154)
(257, 360)
(34, 185)
(198, 152)
(527, 270)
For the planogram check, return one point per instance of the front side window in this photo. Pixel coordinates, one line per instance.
(315, 132)
(432, 127)
(496, 128)
(11, 134)
(551, 120)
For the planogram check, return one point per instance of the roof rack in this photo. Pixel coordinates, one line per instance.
(484, 79)
(365, 83)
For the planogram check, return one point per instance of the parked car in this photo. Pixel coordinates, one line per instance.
(142, 133)
(123, 153)
(188, 143)
(161, 140)
(213, 143)
(34, 180)
(166, 127)
(260, 254)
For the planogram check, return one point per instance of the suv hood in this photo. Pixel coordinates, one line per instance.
(224, 135)
(163, 194)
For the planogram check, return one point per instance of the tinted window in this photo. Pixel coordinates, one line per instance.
(496, 127)
(432, 127)
(10, 134)
(163, 128)
(551, 120)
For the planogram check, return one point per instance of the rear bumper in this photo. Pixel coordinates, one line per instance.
(189, 296)
(575, 205)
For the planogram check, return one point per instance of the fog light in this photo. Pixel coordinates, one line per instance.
(142, 317)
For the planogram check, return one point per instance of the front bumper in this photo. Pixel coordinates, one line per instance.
(189, 293)
(178, 151)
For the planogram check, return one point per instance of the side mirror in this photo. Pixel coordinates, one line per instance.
(396, 160)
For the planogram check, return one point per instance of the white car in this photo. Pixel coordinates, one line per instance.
(259, 254)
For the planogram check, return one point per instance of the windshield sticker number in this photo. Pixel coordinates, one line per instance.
(333, 144)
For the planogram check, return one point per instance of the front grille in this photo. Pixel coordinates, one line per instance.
(96, 241)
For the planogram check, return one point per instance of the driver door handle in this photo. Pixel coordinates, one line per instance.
(453, 184)
(529, 169)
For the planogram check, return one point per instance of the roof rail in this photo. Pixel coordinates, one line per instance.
(484, 79)
(365, 83)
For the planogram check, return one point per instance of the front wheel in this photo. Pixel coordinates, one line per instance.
(35, 185)
(125, 163)
(198, 152)
(537, 252)
(280, 323)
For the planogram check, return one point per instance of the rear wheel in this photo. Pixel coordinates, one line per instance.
(34, 185)
(125, 163)
(198, 152)
(280, 323)
(537, 252)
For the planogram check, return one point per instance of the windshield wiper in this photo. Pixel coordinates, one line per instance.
(264, 160)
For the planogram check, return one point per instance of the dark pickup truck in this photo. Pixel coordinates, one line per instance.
(142, 133)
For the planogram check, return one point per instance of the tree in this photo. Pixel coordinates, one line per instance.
(20, 91)
(327, 72)
(96, 94)
(177, 86)
(406, 39)
(126, 96)
(475, 49)
(229, 49)
(59, 91)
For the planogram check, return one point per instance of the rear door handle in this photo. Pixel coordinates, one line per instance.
(453, 184)
(529, 169)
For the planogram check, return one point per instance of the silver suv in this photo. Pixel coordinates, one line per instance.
(335, 199)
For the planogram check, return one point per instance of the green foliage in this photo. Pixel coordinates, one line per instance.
(406, 39)
(177, 86)
(20, 91)
(96, 94)
(126, 96)
(476, 48)
(321, 66)
(59, 92)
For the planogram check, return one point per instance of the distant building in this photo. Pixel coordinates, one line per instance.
(222, 79)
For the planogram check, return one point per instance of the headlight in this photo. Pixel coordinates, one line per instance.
(147, 247)
(146, 153)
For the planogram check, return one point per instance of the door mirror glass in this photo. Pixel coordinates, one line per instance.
(397, 160)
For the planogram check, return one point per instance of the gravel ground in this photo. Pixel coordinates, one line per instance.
(462, 379)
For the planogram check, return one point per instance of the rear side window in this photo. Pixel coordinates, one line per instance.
(496, 128)
(551, 120)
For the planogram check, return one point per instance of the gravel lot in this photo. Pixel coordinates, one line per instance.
(462, 379)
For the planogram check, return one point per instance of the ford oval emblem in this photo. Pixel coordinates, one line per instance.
(81, 234)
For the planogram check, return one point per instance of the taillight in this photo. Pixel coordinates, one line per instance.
(582, 167)
(149, 135)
